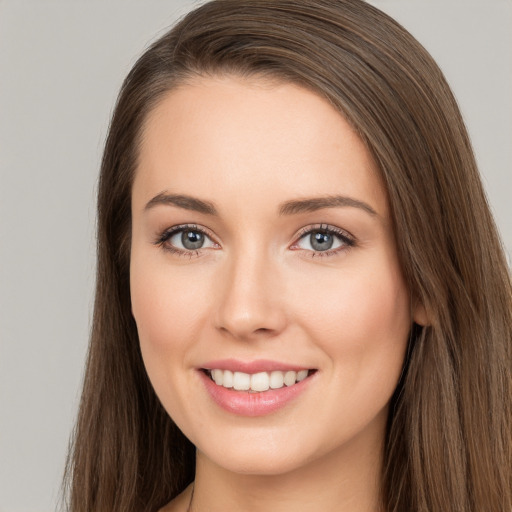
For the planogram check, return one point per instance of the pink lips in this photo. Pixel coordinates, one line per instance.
(245, 403)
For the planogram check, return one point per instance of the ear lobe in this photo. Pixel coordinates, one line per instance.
(420, 316)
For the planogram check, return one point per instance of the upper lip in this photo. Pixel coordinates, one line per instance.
(256, 366)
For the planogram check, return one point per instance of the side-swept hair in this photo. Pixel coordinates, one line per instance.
(448, 445)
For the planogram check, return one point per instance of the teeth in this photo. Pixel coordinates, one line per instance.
(260, 381)
(256, 382)
(290, 378)
(227, 380)
(276, 380)
(241, 381)
(300, 375)
(218, 377)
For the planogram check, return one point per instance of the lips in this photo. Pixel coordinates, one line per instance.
(254, 388)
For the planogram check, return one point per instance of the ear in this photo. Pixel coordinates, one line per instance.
(419, 314)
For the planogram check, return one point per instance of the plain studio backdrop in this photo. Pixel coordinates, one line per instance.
(61, 65)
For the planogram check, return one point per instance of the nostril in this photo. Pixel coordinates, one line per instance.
(263, 330)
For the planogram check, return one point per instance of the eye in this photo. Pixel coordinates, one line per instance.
(189, 239)
(323, 240)
(185, 239)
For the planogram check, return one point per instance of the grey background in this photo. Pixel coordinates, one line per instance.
(61, 65)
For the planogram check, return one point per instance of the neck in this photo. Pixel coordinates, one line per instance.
(346, 480)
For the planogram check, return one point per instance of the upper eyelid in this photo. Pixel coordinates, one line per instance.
(303, 231)
(184, 227)
(324, 227)
(162, 237)
(167, 233)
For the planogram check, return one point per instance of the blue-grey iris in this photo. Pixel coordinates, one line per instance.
(192, 239)
(321, 241)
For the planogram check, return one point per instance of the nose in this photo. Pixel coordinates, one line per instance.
(251, 302)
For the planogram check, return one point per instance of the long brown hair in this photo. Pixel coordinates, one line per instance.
(448, 445)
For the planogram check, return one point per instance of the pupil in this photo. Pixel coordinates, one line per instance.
(192, 239)
(321, 241)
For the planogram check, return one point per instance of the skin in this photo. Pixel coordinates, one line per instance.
(257, 290)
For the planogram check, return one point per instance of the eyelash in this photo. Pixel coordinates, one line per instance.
(164, 237)
(347, 240)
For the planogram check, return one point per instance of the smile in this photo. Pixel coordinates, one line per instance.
(255, 388)
(257, 382)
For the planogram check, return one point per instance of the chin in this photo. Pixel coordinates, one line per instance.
(262, 452)
(259, 463)
(279, 450)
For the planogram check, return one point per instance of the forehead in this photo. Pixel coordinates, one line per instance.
(228, 136)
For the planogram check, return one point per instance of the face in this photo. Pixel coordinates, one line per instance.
(272, 315)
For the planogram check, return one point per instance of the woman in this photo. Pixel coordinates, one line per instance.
(302, 302)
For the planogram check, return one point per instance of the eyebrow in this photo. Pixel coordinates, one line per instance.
(318, 203)
(292, 207)
(182, 201)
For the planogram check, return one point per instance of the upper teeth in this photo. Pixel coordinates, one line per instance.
(257, 381)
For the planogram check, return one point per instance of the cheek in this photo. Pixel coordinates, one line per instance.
(361, 319)
(355, 303)
(168, 310)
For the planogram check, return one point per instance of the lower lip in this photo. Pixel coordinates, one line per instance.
(244, 403)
